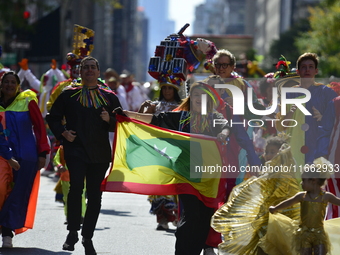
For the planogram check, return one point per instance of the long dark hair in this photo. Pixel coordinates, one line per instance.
(176, 95)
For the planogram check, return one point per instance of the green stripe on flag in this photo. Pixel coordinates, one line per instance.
(173, 154)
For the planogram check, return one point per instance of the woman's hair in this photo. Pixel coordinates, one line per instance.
(275, 141)
(176, 95)
(223, 52)
(10, 73)
(316, 172)
(185, 105)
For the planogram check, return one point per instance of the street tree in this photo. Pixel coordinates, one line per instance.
(323, 37)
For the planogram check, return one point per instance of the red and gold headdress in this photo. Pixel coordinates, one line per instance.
(82, 44)
(176, 55)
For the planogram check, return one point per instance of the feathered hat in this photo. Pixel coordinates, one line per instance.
(283, 74)
(82, 45)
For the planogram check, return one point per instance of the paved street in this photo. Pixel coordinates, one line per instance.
(124, 227)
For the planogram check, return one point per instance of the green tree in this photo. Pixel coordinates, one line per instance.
(12, 13)
(285, 45)
(324, 36)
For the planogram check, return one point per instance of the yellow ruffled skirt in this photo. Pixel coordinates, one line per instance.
(243, 220)
(285, 237)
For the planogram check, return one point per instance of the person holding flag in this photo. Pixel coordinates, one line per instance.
(161, 149)
(194, 225)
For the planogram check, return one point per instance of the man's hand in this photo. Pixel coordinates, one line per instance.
(61, 169)
(316, 114)
(41, 162)
(69, 135)
(14, 164)
(290, 114)
(147, 107)
(105, 115)
(223, 135)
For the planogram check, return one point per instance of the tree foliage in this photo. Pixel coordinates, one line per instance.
(285, 45)
(12, 13)
(323, 37)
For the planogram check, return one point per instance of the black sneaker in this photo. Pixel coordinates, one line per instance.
(162, 226)
(88, 245)
(71, 240)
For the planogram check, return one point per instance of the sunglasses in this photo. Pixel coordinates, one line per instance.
(224, 65)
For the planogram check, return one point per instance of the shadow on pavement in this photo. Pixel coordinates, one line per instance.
(31, 251)
(118, 213)
(170, 231)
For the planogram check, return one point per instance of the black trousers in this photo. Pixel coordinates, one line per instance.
(7, 232)
(194, 225)
(94, 174)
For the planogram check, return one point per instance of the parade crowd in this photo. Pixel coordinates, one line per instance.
(64, 125)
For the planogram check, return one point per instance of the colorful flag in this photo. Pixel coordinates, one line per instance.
(151, 160)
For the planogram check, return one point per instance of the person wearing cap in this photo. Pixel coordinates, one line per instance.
(302, 142)
(87, 108)
(110, 72)
(119, 90)
(134, 95)
(168, 99)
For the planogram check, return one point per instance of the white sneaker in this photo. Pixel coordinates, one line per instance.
(7, 242)
(209, 251)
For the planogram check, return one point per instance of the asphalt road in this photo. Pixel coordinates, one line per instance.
(125, 226)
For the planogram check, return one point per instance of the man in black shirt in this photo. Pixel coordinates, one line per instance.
(87, 109)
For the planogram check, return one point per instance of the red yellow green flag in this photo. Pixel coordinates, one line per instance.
(151, 160)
